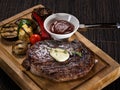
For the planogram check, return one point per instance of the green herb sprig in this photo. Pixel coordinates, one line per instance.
(77, 53)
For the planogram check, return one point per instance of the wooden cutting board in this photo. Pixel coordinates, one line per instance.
(105, 71)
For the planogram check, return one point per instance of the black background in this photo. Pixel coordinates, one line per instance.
(88, 12)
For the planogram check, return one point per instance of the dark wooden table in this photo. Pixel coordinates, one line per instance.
(88, 12)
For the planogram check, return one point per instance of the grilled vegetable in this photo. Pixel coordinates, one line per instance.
(39, 15)
(24, 33)
(43, 12)
(9, 31)
(19, 47)
(44, 34)
(35, 38)
(24, 29)
(27, 21)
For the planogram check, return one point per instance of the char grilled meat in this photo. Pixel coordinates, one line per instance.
(41, 63)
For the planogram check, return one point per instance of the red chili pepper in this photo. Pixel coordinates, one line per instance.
(44, 34)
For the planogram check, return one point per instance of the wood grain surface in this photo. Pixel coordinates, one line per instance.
(88, 12)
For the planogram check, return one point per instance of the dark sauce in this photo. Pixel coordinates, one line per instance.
(61, 27)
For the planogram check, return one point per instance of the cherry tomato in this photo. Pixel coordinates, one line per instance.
(35, 38)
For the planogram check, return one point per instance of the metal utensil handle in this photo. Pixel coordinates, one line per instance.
(117, 25)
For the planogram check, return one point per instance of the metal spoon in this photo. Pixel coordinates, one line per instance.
(83, 27)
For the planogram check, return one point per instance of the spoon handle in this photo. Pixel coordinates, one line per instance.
(99, 24)
(84, 27)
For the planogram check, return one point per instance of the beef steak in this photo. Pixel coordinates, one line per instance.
(41, 63)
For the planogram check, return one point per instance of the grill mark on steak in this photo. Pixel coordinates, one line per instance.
(40, 63)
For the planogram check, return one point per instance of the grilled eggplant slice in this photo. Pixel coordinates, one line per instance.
(9, 32)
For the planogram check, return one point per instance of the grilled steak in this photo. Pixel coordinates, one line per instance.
(41, 63)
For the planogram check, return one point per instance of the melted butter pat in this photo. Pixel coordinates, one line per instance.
(59, 54)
